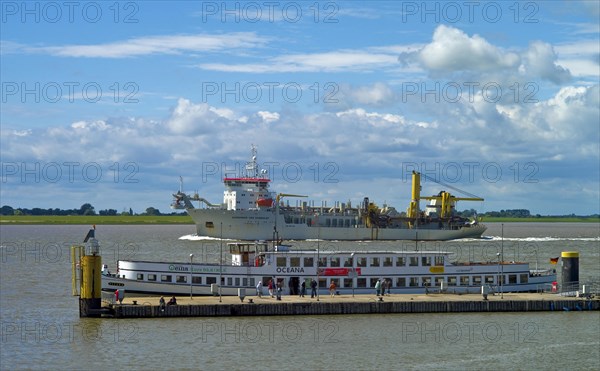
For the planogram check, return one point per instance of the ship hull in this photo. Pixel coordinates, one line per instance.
(261, 225)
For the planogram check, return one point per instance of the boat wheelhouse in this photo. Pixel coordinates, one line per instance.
(406, 272)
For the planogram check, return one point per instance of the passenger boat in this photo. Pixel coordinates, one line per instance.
(407, 272)
(251, 211)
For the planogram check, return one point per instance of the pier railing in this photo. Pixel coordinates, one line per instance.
(108, 298)
(577, 288)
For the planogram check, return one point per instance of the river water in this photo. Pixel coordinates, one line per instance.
(40, 327)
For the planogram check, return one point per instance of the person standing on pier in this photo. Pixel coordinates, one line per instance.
(259, 289)
(303, 289)
(332, 288)
(313, 288)
(378, 287)
(271, 287)
(279, 289)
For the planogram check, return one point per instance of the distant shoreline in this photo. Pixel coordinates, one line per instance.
(94, 219)
(186, 219)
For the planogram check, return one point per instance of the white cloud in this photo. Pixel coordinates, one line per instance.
(192, 119)
(335, 61)
(268, 117)
(540, 61)
(453, 50)
(148, 45)
(581, 57)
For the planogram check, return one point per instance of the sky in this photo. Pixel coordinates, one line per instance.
(110, 103)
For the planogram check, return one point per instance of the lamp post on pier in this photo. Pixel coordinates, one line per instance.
(502, 264)
(353, 273)
(191, 271)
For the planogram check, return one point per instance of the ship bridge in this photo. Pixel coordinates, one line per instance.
(249, 191)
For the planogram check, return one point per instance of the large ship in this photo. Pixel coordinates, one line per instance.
(251, 211)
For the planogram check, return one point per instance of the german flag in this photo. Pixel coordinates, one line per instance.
(554, 260)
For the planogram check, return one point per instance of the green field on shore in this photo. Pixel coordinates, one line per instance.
(96, 219)
(185, 219)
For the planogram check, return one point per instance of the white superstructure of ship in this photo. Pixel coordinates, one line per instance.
(251, 211)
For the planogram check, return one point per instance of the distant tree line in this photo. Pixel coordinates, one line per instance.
(513, 213)
(85, 209)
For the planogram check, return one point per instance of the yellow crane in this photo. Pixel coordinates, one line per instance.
(446, 199)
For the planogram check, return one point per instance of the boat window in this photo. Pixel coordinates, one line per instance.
(348, 282)
(361, 262)
(400, 261)
(426, 281)
(244, 281)
(309, 262)
(387, 261)
(295, 261)
(229, 281)
(414, 261)
(166, 278)
(489, 279)
(375, 262)
(140, 276)
(252, 282)
(524, 278)
(152, 277)
(452, 281)
(348, 262)
(426, 261)
(438, 281)
(211, 280)
(334, 280)
(400, 282)
(181, 279)
(361, 282)
(373, 282)
(197, 280)
(414, 281)
(476, 280)
(439, 260)
(464, 281)
(281, 261)
(334, 261)
(323, 261)
(322, 282)
(237, 281)
(512, 278)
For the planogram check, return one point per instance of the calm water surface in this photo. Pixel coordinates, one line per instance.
(41, 328)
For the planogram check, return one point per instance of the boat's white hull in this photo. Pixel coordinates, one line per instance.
(260, 225)
(157, 288)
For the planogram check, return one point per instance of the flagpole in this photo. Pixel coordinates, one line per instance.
(502, 264)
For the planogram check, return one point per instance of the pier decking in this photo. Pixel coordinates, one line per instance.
(148, 307)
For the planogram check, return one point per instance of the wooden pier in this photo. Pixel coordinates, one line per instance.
(148, 307)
